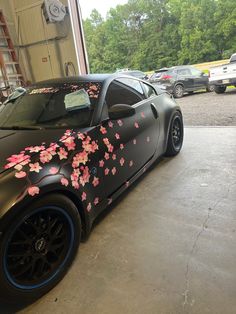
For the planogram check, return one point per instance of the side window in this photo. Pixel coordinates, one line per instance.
(184, 72)
(196, 72)
(118, 94)
(148, 90)
(133, 84)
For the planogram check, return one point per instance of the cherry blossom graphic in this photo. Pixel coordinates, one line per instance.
(84, 196)
(64, 181)
(53, 170)
(143, 115)
(89, 207)
(113, 170)
(131, 163)
(20, 174)
(136, 125)
(117, 136)
(35, 167)
(95, 181)
(96, 201)
(33, 190)
(134, 141)
(106, 156)
(122, 146)
(103, 130)
(106, 171)
(101, 163)
(122, 161)
(114, 156)
(63, 154)
(110, 124)
(120, 122)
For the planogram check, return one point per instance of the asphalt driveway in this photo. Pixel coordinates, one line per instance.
(203, 109)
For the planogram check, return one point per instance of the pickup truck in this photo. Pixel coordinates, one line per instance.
(223, 75)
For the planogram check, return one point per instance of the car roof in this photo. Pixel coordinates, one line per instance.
(76, 79)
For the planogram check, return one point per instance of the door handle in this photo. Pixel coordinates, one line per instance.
(154, 111)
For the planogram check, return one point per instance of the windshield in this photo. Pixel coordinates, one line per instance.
(61, 106)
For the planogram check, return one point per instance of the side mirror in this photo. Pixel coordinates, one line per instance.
(120, 111)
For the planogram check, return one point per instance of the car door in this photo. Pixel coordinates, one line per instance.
(185, 76)
(200, 80)
(132, 141)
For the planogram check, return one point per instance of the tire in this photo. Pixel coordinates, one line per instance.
(210, 88)
(178, 91)
(220, 89)
(175, 136)
(38, 248)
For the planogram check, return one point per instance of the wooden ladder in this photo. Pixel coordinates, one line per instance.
(10, 71)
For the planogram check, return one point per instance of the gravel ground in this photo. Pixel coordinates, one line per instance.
(203, 109)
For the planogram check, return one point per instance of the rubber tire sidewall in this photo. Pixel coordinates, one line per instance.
(220, 89)
(171, 150)
(174, 92)
(11, 294)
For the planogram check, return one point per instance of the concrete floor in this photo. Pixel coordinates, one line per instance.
(168, 246)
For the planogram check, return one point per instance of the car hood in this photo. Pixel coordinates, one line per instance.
(13, 142)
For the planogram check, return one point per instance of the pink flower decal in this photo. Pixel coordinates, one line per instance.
(16, 159)
(122, 161)
(69, 143)
(81, 136)
(33, 190)
(131, 163)
(122, 146)
(117, 136)
(18, 167)
(35, 149)
(110, 124)
(80, 158)
(96, 201)
(106, 171)
(101, 163)
(143, 115)
(134, 141)
(84, 196)
(64, 182)
(62, 153)
(35, 167)
(45, 157)
(20, 175)
(89, 207)
(136, 125)
(110, 148)
(95, 181)
(114, 156)
(106, 141)
(120, 122)
(53, 170)
(52, 149)
(113, 170)
(103, 130)
(106, 156)
(85, 176)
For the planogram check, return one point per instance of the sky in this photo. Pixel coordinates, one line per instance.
(102, 6)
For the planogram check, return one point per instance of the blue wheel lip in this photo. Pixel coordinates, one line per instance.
(44, 283)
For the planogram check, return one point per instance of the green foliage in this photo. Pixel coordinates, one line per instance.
(149, 34)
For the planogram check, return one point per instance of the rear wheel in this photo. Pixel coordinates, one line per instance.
(178, 91)
(210, 88)
(176, 135)
(38, 248)
(220, 89)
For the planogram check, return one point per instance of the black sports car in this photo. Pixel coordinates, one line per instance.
(69, 148)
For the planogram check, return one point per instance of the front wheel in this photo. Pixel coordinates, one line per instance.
(220, 89)
(176, 135)
(38, 248)
(178, 91)
(210, 88)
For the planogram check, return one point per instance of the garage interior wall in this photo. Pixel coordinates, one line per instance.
(43, 49)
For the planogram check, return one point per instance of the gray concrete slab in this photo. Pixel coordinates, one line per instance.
(168, 246)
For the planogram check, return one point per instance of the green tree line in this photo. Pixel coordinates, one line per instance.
(150, 34)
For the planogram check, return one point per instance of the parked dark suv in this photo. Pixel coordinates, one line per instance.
(180, 79)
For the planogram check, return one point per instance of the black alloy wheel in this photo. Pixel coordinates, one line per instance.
(39, 248)
(178, 91)
(176, 134)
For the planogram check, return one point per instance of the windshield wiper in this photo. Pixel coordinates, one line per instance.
(18, 127)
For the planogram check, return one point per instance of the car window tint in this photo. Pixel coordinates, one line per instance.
(184, 72)
(149, 91)
(117, 94)
(133, 84)
(195, 72)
